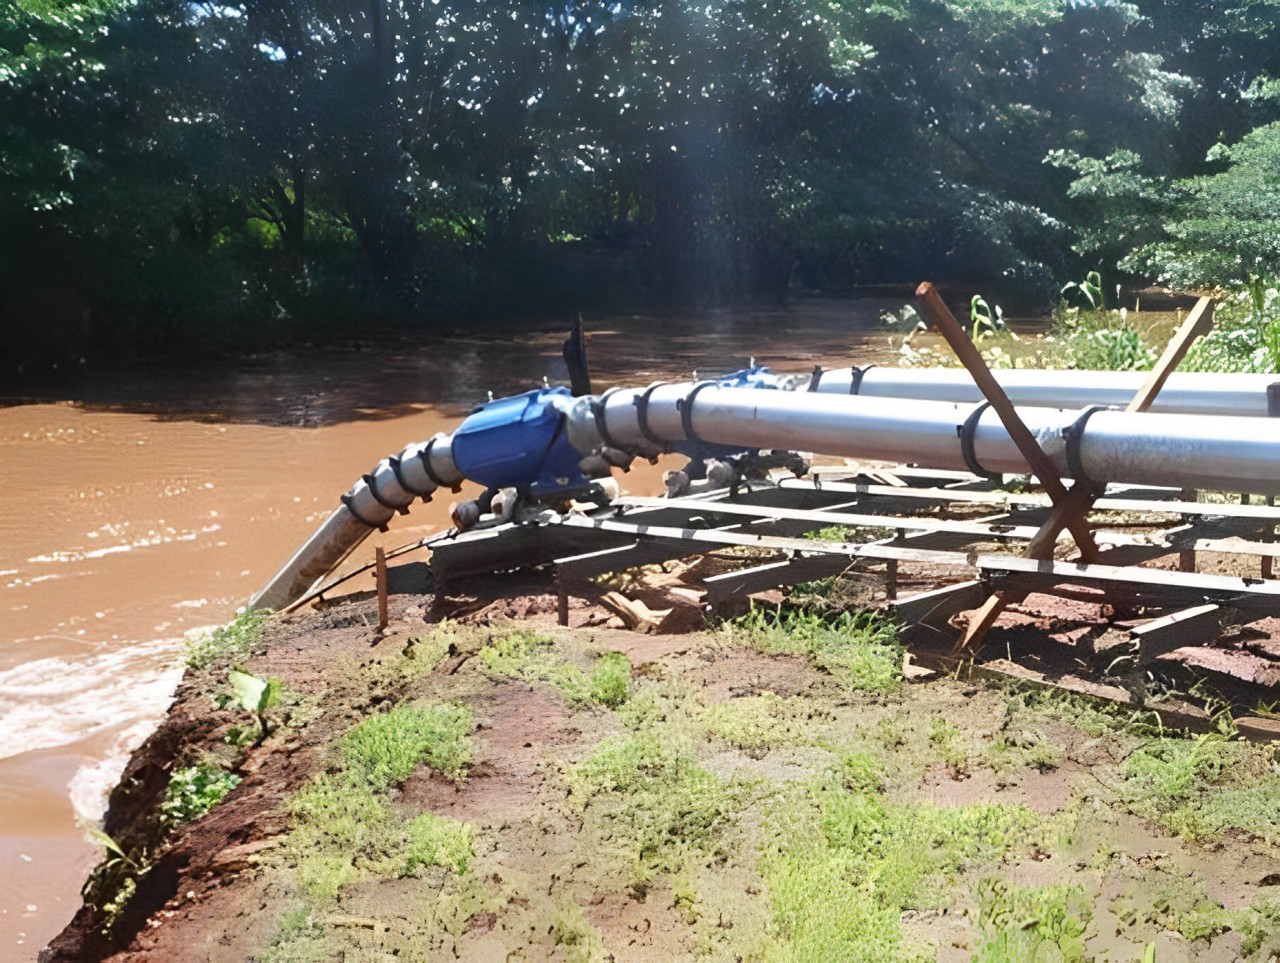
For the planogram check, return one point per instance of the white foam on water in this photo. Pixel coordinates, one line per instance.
(45, 703)
(93, 782)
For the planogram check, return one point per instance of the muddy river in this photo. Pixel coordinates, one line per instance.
(138, 509)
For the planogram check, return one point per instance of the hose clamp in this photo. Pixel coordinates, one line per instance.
(642, 416)
(966, 432)
(856, 375)
(685, 407)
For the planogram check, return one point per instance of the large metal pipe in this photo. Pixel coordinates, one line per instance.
(1201, 393)
(371, 503)
(1203, 451)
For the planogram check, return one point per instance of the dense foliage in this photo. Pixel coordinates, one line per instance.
(177, 173)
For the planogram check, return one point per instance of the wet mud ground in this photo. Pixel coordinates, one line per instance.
(721, 798)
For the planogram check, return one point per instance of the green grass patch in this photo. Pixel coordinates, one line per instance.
(193, 791)
(343, 832)
(383, 750)
(763, 721)
(229, 642)
(859, 649)
(530, 657)
(659, 804)
(845, 863)
(610, 683)
(1201, 787)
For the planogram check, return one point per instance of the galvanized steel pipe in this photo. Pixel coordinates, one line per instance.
(1201, 393)
(1202, 451)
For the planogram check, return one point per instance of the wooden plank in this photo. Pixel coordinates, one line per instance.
(1194, 626)
(1011, 499)
(773, 574)
(939, 605)
(704, 537)
(1046, 570)
(939, 316)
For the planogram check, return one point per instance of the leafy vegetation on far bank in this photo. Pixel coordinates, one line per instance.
(228, 175)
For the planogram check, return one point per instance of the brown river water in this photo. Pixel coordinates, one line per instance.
(140, 507)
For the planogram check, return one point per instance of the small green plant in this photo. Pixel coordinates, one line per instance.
(1086, 295)
(193, 791)
(1036, 923)
(611, 680)
(530, 656)
(843, 863)
(984, 320)
(230, 642)
(1200, 788)
(114, 880)
(252, 694)
(383, 750)
(1110, 349)
(343, 832)
(435, 841)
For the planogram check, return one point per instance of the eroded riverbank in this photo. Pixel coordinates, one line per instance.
(499, 788)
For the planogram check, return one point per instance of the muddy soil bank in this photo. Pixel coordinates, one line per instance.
(727, 794)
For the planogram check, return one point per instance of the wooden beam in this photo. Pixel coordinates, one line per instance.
(939, 316)
(1197, 324)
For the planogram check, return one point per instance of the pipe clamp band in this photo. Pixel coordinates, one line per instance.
(967, 449)
(1071, 436)
(856, 375)
(347, 503)
(685, 405)
(377, 496)
(398, 470)
(425, 457)
(597, 412)
(642, 416)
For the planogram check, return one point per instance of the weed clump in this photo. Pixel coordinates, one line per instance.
(384, 749)
(229, 642)
(859, 649)
(762, 721)
(658, 802)
(529, 656)
(610, 683)
(1199, 788)
(193, 791)
(345, 831)
(846, 863)
(1024, 923)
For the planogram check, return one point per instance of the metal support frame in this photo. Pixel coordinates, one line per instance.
(1071, 506)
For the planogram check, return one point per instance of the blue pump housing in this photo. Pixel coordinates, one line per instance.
(519, 442)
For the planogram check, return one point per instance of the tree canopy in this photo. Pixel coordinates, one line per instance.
(179, 174)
